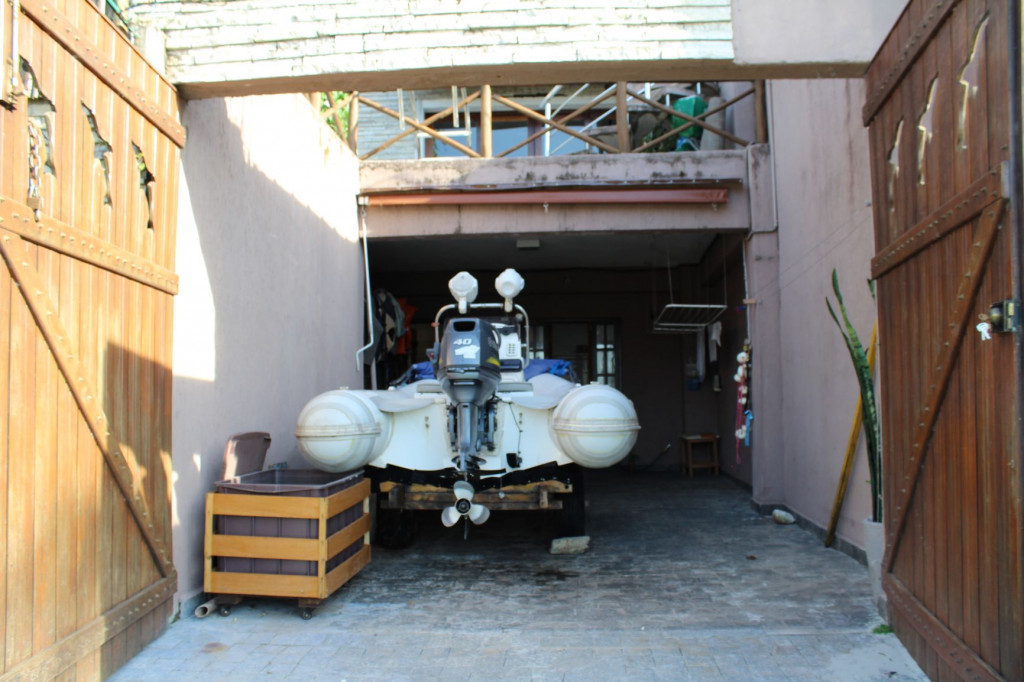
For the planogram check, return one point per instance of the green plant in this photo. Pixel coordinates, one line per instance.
(866, 380)
(338, 122)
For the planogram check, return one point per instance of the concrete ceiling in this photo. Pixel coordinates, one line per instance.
(556, 251)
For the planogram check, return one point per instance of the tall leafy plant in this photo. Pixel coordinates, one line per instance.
(866, 380)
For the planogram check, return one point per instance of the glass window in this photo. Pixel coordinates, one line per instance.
(589, 346)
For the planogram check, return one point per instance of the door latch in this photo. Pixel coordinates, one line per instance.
(1004, 316)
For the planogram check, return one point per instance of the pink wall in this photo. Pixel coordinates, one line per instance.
(271, 279)
(824, 216)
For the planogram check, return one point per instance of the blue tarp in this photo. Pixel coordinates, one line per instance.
(560, 368)
(420, 371)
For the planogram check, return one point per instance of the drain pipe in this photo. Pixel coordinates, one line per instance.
(206, 608)
(369, 298)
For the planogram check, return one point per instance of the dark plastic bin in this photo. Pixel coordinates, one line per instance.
(286, 483)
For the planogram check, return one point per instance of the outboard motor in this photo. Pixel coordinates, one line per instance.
(469, 371)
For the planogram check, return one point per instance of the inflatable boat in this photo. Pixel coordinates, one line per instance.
(479, 428)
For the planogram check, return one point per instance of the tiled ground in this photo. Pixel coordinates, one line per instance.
(683, 581)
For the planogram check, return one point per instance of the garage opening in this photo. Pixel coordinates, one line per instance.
(593, 302)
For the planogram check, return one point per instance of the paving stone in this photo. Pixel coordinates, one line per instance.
(666, 592)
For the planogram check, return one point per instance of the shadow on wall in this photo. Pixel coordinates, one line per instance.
(269, 310)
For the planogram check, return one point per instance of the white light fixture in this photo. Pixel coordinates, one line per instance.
(509, 284)
(463, 288)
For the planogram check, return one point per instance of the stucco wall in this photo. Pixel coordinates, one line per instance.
(824, 215)
(271, 283)
(813, 37)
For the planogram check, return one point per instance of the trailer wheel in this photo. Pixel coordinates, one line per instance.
(572, 516)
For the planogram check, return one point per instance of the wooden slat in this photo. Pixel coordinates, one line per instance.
(430, 120)
(17, 218)
(909, 50)
(349, 497)
(418, 126)
(44, 482)
(950, 216)
(20, 518)
(266, 505)
(68, 472)
(486, 122)
(342, 573)
(530, 113)
(51, 661)
(964, 661)
(48, 322)
(208, 544)
(256, 547)
(943, 369)
(621, 118)
(546, 128)
(693, 120)
(85, 50)
(6, 331)
(263, 585)
(347, 535)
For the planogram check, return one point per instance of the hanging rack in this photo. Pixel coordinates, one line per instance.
(688, 318)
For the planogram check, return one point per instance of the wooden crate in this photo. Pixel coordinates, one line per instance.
(308, 589)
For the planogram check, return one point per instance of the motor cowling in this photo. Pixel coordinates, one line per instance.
(342, 430)
(468, 366)
(595, 425)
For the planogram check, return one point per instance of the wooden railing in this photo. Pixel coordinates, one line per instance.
(621, 93)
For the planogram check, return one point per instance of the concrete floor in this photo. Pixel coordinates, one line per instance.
(683, 581)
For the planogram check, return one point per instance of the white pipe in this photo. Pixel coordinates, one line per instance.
(547, 135)
(551, 93)
(205, 609)
(369, 291)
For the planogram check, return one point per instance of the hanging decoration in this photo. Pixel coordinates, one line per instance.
(744, 416)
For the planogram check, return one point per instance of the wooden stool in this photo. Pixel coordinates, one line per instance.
(700, 439)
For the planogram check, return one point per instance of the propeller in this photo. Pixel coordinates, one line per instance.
(464, 506)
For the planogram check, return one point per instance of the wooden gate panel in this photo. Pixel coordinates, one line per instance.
(85, 351)
(939, 131)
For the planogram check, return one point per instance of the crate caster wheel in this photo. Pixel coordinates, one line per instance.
(225, 610)
(307, 613)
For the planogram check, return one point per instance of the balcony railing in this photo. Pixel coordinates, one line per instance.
(619, 119)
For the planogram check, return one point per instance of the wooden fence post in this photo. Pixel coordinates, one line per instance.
(760, 114)
(353, 122)
(486, 148)
(622, 117)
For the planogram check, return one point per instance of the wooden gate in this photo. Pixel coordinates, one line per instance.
(938, 115)
(90, 147)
